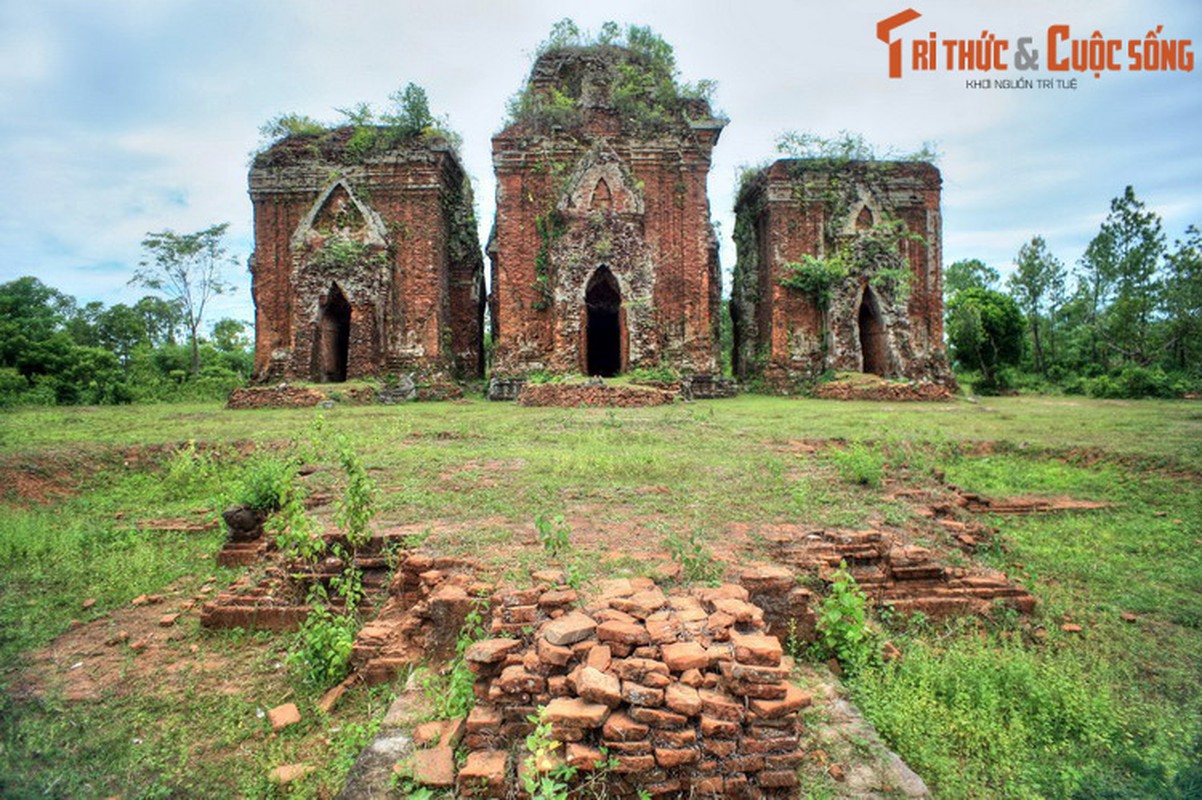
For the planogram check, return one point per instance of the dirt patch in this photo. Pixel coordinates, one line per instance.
(142, 642)
(51, 476)
(571, 395)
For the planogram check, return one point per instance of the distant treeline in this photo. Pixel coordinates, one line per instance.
(1125, 322)
(55, 351)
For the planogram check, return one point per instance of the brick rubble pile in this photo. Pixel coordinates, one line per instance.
(685, 692)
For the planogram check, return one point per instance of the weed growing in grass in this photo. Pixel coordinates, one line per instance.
(188, 467)
(450, 693)
(321, 652)
(554, 534)
(859, 463)
(357, 505)
(844, 632)
(696, 562)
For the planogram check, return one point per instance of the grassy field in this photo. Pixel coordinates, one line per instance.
(1004, 709)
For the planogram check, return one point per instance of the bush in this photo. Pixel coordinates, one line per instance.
(321, 652)
(1030, 718)
(859, 463)
(843, 630)
(265, 482)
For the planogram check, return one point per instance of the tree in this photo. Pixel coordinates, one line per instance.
(160, 319)
(1037, 271)
(1124, 259)
(121, 329)
(30, 312)
(1183, 302)
(188, 269)
(229, 335)
(985, 330)
(412, 115)
(968, 273)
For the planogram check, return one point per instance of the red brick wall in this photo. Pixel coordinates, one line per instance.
(417, 291)
(653, 233)
(799, 208)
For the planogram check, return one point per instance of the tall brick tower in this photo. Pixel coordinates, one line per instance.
(367, 260)
(603, 255)
(839, 268)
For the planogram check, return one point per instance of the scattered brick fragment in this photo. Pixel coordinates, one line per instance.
(284, 715)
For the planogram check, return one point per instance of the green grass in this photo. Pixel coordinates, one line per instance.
(1113, 712)
(995, 713)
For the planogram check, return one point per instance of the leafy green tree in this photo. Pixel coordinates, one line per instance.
(412, 114)
(1123, 262)
(120, 329)
(82, 323)
(160, 319)
(985, 330)
(969, 273)
(1031, 284)
(564, 33)
(32, 310)
(1183, 303)
(189, 269)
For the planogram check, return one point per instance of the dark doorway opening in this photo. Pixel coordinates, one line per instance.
(872, 336)
(603, 323)
(334, 336)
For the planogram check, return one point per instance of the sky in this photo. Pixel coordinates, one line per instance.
(123, 117)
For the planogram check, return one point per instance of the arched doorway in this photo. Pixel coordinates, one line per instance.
(603, 324)
(334, 337)
(873, 343)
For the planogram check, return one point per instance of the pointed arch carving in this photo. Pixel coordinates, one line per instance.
(338, 210)
(599, 174)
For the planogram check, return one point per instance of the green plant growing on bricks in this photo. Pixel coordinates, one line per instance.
(265, 482)
(450, 693)
(321, 650)
(695, 560)
(296, 533)
(844, 632)
(545, 776)
(553, 534)
(357, 506)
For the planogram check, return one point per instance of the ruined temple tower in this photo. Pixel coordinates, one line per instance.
(366, 260)
(603, 256)
(839, 268)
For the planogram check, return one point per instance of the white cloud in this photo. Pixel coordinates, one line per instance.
(125, 117)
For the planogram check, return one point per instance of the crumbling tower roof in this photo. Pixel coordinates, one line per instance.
(609, 86)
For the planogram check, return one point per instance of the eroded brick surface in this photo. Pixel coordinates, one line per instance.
(364, 264)
(884, 317)
(603, 224)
